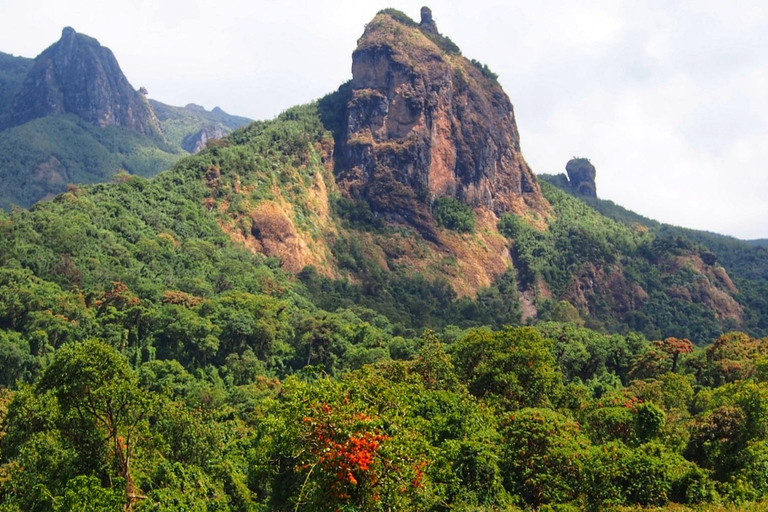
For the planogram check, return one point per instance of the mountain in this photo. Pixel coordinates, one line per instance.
(76, 75)
(424, 122)
(392, 210)
(71, 116)
(192, 126)
(263, 327)
(356, 196)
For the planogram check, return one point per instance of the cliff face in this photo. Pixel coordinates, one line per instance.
(79, 76)
(425, 122)
(195, 142)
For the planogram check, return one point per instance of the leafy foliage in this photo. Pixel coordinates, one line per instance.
(453, 214)
(485, 70)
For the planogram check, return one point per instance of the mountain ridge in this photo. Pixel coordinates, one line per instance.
(245, 331)
(283, 189)
(70, 116)
(424, 122)
(76, 75)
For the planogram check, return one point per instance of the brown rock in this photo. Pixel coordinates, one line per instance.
(423, 123)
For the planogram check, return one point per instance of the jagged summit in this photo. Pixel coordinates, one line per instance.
(424, 122)
(76, 75)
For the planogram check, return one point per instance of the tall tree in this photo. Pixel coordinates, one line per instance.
(95, 385)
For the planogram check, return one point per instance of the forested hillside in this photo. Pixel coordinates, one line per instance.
(745, 261)
(231, 390)
(251, 331)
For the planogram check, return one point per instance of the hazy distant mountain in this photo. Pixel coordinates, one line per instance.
(192, 126)
(71, 116)
(76, 75)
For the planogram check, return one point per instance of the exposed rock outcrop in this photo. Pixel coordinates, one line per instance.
(77, 75)
(581, 176)
(424, 122)
(427, 22)
(196, 142)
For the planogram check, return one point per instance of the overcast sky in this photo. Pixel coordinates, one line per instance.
(669, 99)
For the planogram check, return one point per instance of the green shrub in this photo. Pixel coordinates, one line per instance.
(485, 70)
(453, 214)
(400, 16)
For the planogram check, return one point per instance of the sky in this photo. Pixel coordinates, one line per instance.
(668, 98)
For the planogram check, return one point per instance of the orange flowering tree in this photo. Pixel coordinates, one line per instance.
(346, 448)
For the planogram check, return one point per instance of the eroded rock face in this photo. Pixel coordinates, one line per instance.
(423, 123)
(79, 76)
(581, 175)
(196, 142)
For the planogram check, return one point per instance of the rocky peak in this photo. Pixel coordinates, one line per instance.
(76, 75)
(427, 23)
(423, 122)
(581, 176)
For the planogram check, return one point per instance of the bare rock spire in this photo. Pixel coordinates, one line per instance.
(423, 123)
(427, 22)
(581, 175)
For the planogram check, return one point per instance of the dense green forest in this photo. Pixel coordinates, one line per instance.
(12, 72)
(39, 158)
(746, 261)
(147, 360)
